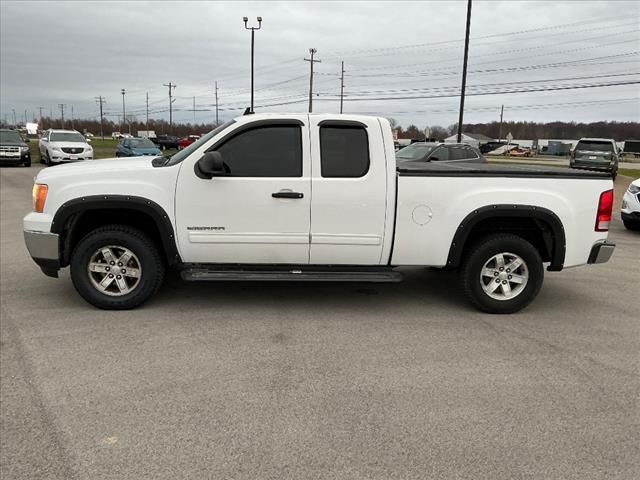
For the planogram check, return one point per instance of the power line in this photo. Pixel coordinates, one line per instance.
(495, 35)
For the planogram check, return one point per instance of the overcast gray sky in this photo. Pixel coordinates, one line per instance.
(402, 59)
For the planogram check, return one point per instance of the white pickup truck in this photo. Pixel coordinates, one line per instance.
(312, 197)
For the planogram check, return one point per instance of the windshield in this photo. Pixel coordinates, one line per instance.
(414, 152)
(141, 143)
(182, 154)
(595, 146)
(67, 137)
(10, 138)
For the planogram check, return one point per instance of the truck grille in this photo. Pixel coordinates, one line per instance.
(10, 149)
(72, 149)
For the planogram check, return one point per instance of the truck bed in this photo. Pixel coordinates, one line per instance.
(461, 169)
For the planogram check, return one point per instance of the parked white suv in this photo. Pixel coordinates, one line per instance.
(631, 206)
(57, 146)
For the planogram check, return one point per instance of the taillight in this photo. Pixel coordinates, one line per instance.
(39, 197)
(605, 207)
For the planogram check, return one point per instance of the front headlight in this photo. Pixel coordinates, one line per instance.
(55, 148)
(24, 149)
(633, 189)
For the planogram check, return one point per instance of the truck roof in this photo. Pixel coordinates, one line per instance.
(332, 116)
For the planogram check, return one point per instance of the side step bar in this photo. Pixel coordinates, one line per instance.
(336, 274)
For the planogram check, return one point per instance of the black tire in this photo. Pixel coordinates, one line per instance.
(151, 264)
(44, 159)
(480, 253)
(27, 164)
(614, 175)
(631, 225)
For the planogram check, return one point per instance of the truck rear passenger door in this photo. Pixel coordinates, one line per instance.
(349, 192)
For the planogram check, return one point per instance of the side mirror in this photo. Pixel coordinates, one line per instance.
(210, 165)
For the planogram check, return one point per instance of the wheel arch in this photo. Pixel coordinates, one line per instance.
(539, 225)
(73, 220)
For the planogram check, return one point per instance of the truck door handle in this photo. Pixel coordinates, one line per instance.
(287, 194)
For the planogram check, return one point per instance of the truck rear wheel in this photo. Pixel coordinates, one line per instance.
(502, 273)
(116, 267)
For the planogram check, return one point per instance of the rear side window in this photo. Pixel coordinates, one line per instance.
(458, 153)
(441, 153)
(592, 146)
(344, 151)
(270, 151)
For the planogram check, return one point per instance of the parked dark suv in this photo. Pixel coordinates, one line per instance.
(596, 154)
(439, 152)
(13, 149)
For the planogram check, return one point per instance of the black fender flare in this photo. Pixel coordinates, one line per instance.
(128, 202)
(556, 243)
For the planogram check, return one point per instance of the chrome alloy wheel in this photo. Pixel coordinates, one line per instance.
(114, 270)
(504, 276)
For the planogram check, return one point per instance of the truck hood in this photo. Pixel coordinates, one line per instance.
(90, 168)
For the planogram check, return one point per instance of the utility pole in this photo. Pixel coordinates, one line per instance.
(341, 86)
(101, 101)
(216, 103)
(253, 34)
(124, 116)
(311, 60)
(500, 129)
(464, 71)
(62, 105)
(25, 117)
(72, 118)
(41, 124)
(147, 113)
(171, 86)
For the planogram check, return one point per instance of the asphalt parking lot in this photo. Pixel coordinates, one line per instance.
(304, 381)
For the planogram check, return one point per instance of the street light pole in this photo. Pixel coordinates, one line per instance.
(124, 116)
(464, 71)
(253, 33)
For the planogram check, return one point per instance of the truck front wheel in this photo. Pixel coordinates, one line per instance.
(502, 273)
(116, 267)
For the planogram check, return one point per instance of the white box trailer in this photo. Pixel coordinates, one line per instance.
(146, 134)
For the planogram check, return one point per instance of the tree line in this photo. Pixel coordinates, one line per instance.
(619, 131)
(160, 126)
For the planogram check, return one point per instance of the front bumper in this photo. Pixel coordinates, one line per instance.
(15, 159)
(44, 249)
(601, 252)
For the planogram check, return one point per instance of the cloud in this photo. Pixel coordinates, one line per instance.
(71, 52)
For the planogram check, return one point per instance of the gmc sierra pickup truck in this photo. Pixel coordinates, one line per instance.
(316, 198)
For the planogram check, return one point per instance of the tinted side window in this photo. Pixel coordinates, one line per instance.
(271, 151)
(344, 151)
(440, 153)
(470, 153)
(457, 153)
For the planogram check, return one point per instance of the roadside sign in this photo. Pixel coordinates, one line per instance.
(509, 137)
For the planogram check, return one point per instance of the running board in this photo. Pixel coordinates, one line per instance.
(336, 274)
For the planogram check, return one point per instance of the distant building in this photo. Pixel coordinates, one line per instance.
(473, 139)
